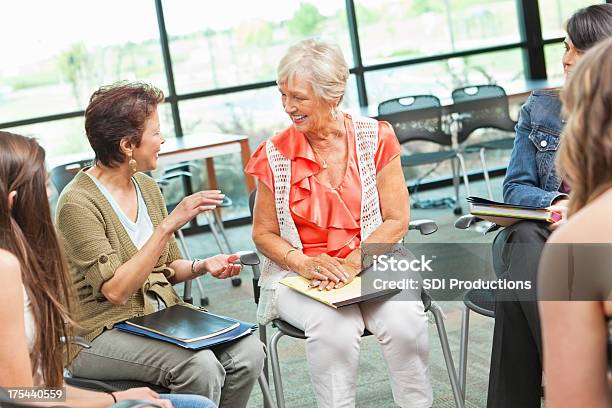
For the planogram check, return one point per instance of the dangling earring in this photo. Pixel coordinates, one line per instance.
(132, 163)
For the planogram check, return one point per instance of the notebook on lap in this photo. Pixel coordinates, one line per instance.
(187, 326)
(347, 295)
(507, 214)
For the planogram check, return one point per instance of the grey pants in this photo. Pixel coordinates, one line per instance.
(225, 373)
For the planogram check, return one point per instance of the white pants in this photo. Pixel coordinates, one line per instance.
(334, 336)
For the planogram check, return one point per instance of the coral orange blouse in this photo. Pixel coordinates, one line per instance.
(328, 219)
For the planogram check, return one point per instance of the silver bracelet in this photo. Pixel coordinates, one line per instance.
(193, 271)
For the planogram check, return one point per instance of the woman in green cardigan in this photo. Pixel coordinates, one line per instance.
(119, 243)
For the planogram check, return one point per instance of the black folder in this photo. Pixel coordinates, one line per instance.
(184, 323)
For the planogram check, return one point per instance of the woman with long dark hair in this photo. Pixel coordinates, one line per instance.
(35, 295)
(532, 179)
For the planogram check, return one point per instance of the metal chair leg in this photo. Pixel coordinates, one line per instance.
(485, 171)
(276, 373)
(265, 390)
(448, 357)
(213, 229)
(221, 229)
(463, 349)
(466, 181)
(264, 339)
(454, 166)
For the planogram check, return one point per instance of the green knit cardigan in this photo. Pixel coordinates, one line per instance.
(96, 244)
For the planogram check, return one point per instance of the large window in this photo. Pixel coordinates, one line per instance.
(393, 30)
(223, 59)
(56, 53)
(240, 42)
(554, 14)
(441, 77)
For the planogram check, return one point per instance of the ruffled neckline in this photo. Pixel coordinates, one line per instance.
(314, 204)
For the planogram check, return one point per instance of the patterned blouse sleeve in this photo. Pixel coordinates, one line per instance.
(388, 146)
(259, 167)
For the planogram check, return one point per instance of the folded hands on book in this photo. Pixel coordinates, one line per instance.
(327, 272)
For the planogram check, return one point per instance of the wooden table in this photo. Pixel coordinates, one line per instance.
(202, 146)
(206, 146)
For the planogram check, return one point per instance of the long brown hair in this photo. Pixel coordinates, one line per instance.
(585, 154)
(26, 230)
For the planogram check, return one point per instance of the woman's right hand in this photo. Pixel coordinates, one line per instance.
(323, 268)
(143, 393)
(193, 205)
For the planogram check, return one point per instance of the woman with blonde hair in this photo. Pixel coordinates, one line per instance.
(575, 287)
(328, 184)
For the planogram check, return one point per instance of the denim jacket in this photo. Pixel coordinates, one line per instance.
(531, 178)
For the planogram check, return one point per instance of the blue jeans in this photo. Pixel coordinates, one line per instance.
(188, 401)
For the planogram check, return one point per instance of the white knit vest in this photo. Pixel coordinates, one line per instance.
(366, 141)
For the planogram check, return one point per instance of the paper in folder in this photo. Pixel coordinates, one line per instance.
(507, 214)
(187, 327)
(346, 295)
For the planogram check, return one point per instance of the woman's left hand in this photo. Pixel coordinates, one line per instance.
(560, 207)
(351, 268)
(220, 266)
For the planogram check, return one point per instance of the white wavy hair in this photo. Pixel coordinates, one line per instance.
(321, 63)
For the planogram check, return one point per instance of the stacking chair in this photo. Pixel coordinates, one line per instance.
(425, 227)
(478, 107)
(481, 301)
(62, 175)
(419, 117)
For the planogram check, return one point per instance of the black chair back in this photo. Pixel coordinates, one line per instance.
(62, 175)
(481, 106)
(417, 117)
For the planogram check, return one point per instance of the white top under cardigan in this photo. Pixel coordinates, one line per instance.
(139, 231)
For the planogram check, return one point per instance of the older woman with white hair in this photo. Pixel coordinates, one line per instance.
(328, 184)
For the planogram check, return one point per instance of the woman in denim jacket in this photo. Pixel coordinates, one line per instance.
(532, 179)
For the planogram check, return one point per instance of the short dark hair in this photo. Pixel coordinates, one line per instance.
(117, 111)
(590, 25)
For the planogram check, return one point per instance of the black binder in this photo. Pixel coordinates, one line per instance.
(184, 323)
